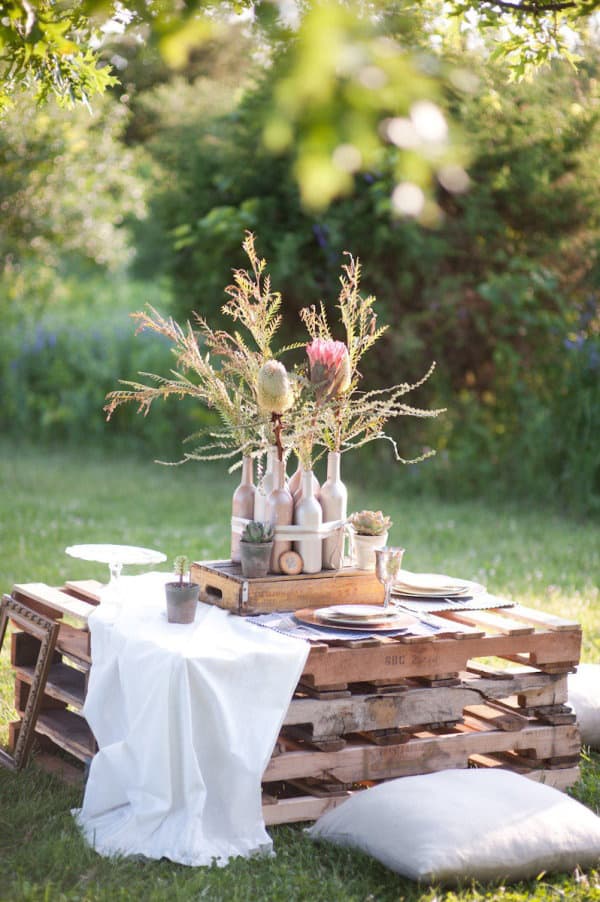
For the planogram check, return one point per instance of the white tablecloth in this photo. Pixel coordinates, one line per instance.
(185, 718)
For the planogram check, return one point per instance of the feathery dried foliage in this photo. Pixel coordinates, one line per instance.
(222, 371)
(224, 367)
(356, 417)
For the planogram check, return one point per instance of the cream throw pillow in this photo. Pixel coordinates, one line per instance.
(584, 698)
(462, 824)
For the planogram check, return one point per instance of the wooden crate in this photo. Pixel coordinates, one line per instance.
(222, 584)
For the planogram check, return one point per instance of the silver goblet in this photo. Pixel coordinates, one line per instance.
(388, 562)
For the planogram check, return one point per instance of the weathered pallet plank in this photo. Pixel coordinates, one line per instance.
(414, 705)
(541, 619)
(88, 589)
(53, 599)
(491, 621)
(301, 808)
(432, 656)
(66, 684)
(423, 754)
(69, 731)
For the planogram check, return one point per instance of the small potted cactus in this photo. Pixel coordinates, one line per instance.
(255, 549)
(182, 595)
(369, 530)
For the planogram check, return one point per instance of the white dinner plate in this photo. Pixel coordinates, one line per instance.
(470, 591)
(355, 612)
(433, 585)
(400, 620)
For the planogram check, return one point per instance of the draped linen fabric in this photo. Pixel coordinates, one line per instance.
(186, 717)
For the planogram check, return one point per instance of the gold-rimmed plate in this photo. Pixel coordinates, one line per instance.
(434, 585)
(400, 621)
(355, 612)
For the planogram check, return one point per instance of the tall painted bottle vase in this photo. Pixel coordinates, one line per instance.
(242, 505)
(308, 514)
(334, 503)
(295, 480)
(280, 512)
(265, 487)
(298, 492)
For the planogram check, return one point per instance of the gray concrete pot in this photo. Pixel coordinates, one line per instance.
(181, 602)
(255, 558)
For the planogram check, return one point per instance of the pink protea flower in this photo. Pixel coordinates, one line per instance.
(329, 367)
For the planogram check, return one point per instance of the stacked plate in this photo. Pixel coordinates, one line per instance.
(433, 585)
(359, 615)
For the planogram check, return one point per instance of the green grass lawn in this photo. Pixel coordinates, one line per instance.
(50, 499)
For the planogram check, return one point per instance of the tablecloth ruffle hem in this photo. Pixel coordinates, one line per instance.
(185, 718)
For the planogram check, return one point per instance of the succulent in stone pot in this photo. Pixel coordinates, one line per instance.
(182, 595)
(255, 549)
(369, 530)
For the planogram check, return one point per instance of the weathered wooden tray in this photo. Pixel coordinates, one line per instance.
(222, 584)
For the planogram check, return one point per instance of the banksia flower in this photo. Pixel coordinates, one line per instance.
(273, 388)
(329, 368)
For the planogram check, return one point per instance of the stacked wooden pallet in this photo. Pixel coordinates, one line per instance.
(51, 658)
(373, 710)
(486, 688)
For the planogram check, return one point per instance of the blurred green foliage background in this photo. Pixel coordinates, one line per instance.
(147, 199)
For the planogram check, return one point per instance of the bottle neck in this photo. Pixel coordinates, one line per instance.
(271, 458)
(307, 484)
(247, 471)
(278, 474)
(333, 466)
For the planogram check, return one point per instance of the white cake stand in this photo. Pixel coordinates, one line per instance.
(116, 556)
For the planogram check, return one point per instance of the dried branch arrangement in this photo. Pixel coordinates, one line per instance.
(315, 408)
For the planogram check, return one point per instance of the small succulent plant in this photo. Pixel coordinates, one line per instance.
(256, 533)
(181, 565)
(369, 523)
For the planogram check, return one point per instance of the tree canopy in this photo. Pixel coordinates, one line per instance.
(59, 47)
(356, 81)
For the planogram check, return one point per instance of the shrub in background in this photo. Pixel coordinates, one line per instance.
(492, 294)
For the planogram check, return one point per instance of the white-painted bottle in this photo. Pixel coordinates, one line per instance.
(242, 504)
(295, 480)
(299, 491)
(280, 512)
(334, 502)
(308, 514)
(265, 487)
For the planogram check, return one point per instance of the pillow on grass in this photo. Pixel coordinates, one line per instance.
(584, 698)
(461, 824)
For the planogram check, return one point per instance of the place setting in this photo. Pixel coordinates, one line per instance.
(432, 592)
(365, 620)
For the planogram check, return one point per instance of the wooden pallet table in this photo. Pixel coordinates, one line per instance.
(366, 712)
(485, 689)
